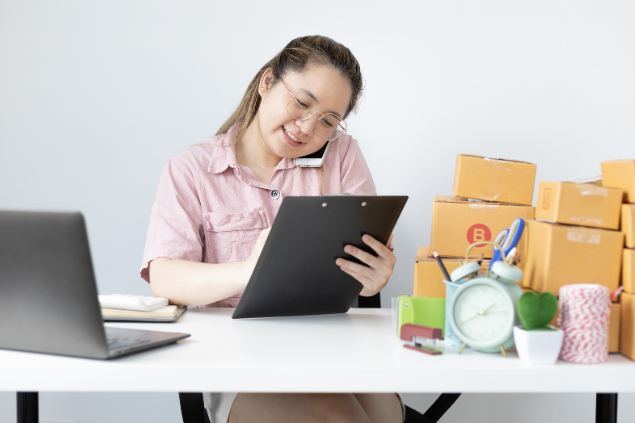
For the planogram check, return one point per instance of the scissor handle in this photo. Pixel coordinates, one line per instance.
(500, 240)
(515, 232)
(512, 237)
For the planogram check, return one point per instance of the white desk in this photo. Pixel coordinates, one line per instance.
(353, 352)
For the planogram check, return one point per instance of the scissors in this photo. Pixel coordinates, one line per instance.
(508, 239)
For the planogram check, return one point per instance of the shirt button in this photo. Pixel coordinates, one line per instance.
(275, 194)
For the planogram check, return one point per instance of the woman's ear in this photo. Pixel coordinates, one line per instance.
(266, 82)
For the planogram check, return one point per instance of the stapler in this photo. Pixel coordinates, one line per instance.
(421, 338)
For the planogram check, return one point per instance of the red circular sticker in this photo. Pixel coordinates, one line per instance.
(479, 232)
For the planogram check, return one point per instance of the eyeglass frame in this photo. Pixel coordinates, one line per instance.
(317, 110)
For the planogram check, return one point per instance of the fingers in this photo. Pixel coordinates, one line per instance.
(389, 243)
(377, 271)
(370, 286)
(382, 250)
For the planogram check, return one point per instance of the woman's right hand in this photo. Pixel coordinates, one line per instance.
(250, 263)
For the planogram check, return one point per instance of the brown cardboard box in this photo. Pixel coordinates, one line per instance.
(627, 326)
(628, 270)
(579, 204)
(592, 180)
(614, 327)
(428, 275)
(560, 255)
(457, 223)
(620, 174)
(489, 179)
(628, 224)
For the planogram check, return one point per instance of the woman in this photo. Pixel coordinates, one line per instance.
(217, 199)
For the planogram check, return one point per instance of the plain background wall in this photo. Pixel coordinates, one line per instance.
(96, 96)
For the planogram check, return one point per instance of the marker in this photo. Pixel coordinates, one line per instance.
(443, 269)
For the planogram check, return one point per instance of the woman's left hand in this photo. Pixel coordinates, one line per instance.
(375, 275)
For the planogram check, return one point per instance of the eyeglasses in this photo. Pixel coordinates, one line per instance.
(302, 106)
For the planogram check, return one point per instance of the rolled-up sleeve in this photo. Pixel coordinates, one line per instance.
(355, 174)
(176, 224)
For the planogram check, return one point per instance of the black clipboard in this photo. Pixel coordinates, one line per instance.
(296, 274)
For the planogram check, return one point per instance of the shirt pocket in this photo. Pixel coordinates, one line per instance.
(231, 236)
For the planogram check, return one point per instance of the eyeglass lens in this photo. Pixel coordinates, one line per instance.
(302, 107)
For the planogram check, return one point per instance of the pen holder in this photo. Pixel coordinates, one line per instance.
(450, 337)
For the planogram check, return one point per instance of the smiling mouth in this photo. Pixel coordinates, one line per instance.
(291, 135)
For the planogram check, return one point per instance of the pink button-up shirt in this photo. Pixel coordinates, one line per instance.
(210, 209)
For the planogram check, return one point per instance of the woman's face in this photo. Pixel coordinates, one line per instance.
(285, 136)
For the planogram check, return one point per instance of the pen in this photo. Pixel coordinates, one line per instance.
(443, 269)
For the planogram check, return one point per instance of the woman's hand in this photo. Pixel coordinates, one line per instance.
(250, 263)
(374, 276)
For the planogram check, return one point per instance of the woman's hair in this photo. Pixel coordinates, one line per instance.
(295, 57)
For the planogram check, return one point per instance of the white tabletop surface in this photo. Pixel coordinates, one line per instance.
(353, 352)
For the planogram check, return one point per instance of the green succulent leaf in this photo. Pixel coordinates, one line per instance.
(537, 310)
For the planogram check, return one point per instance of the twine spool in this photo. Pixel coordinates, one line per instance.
(584, 318)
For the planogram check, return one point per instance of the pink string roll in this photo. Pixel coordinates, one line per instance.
(584, 318)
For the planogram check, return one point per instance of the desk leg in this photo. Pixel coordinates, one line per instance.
(28, 407)
(606, 408)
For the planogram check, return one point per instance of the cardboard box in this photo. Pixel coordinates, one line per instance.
(559, 255)
(428, 275)
(628, 270)
(592, 180)
(620, 174)
(627, 326)
(489, 179)
(628, 225)
(457, 223)
(579, 204)
(614, 327)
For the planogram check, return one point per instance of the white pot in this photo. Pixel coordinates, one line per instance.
(538, 346)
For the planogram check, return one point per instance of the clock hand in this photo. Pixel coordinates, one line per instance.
(476, 315)
(485, 311)
(480, 313)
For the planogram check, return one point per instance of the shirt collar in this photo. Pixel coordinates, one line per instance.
(225, 157)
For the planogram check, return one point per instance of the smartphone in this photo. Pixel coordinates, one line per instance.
(314, 160)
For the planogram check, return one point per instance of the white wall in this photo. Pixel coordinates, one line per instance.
(96, 96)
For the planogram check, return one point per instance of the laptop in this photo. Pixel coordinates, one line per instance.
(48, 293)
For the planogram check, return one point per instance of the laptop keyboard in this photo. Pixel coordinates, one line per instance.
(116, 343)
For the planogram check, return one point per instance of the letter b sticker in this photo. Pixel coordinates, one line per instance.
(478, 232)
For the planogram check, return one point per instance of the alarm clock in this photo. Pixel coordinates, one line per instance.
(483, 313)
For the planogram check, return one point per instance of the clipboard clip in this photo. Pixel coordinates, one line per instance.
(421, 338)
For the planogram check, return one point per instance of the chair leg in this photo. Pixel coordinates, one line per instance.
(440, 406)
(193, 408)
(434, 413)
(28, 407)
(606, 408)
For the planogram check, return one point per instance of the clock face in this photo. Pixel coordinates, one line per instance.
(483, 314)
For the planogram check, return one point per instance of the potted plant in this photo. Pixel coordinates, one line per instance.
(536, 341)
